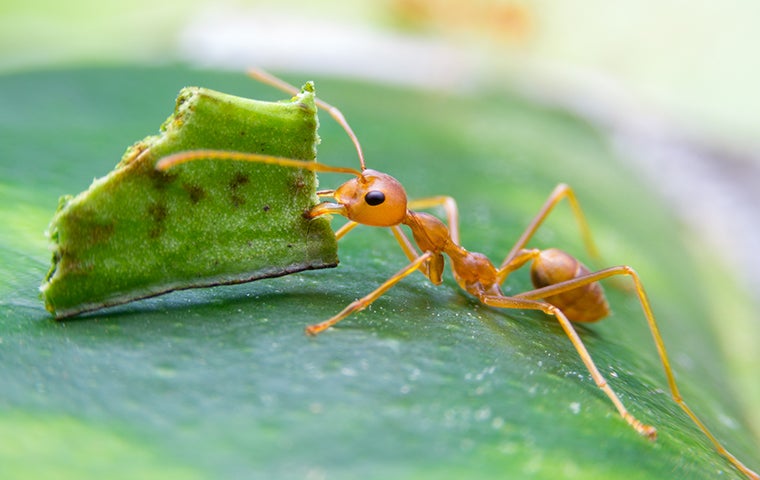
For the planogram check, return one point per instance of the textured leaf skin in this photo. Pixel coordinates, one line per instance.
(427, 383)
(138, 232)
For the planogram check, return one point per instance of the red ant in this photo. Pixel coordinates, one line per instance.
(564, 288)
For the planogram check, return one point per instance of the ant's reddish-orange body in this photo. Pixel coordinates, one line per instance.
(564, 288)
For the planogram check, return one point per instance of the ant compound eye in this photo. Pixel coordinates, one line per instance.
(374, 197)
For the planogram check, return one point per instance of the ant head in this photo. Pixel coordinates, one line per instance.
(374, 199)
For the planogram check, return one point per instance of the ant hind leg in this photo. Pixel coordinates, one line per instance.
(590, 278)
(501, 301)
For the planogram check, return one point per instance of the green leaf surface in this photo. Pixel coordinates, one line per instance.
(427, 383)
(139, 232)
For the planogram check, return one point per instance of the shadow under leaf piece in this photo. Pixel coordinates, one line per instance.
(138, 232)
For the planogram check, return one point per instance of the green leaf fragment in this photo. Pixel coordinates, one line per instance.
(138, 232)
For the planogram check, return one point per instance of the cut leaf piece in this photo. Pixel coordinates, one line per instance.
(138, 232)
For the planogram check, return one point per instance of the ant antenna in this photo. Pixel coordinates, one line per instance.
(174, 159)
(336, 114)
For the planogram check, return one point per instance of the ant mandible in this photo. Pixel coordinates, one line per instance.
(564, 288)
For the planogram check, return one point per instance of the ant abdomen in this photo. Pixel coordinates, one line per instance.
(586, 303)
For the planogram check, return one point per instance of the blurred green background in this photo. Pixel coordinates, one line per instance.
(671, 86)
(695, 63)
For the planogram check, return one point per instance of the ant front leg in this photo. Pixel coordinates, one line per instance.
(348, 226)
(364, 302)
(343, 230)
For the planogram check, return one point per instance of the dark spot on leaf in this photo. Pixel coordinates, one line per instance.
(100, 233)
(239, 180)
(158, 214)
(157, 211)
(237, 200)
(90, 226)
(266, 208)
(161, 179)
(196, 193)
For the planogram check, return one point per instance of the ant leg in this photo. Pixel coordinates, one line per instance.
(659, 343)
(433, 269)
(347, 227)
(336, 114)
(450, 207)
(518, 260)
(560, 191)
(406, 245)
(502, 301)
(364, 302)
